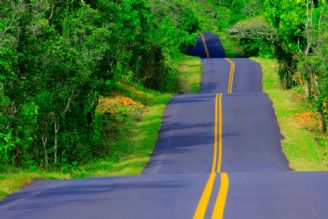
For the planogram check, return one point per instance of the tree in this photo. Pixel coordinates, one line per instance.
(312, 61)
(288, 19)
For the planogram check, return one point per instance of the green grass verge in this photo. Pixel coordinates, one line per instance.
(231, 47)
(301, 142)
(139, 135)
(190, 74)
(138, 139)
(13, 179)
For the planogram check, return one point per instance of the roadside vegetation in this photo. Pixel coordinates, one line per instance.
(190, 74)
(136, 113)
(83, 84)
(303, 144)
(131, 117)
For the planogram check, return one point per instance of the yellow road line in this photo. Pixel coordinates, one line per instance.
(220, 201)
(206, 195)
(219, 206)
(205, 46)
(231, 75)
(203, 202)
(219, 131)
(216, 117)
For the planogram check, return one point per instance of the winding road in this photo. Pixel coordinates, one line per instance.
(218, 156)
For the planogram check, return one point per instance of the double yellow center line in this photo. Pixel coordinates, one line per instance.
(219, 205)
(218, 210)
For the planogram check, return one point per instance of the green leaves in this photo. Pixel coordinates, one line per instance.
(6, 145)
(301, 27)
(58, 57)
(255, 35)
(288, 17)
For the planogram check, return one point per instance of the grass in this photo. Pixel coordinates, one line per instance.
(138, 138)
(13, 179)
(143, 109)
(190, 74)
(301, 142)
(231, 47)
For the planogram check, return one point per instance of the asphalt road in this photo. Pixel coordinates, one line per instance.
(247, 76)
(218, 155)
(208, 45)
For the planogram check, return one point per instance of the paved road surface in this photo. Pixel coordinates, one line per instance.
(208, 45)
(218, 155)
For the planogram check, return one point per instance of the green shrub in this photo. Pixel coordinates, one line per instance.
(255, 35)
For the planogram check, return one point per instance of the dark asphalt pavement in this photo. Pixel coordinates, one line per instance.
(160, 196)
(251, 136)
(261, 185)
(214, 46)
(186, 136)
(247, 77)
(283, 195)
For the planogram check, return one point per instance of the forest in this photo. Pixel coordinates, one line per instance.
(58, 59)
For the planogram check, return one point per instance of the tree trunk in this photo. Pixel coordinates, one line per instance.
(44, 142)
(16, 159)
(322, 119)
(56, 141)
(44, 138)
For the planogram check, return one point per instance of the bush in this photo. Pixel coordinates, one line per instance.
(255, 35)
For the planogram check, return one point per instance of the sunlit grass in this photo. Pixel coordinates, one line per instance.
(14, 179)
(190, 71)
(300, 144)
(231, 47)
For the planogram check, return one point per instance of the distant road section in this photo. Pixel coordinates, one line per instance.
(208, 45)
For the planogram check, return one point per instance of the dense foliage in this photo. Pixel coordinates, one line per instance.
(255, 35)
(302, 48)
(295, 32)
(58, 57)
